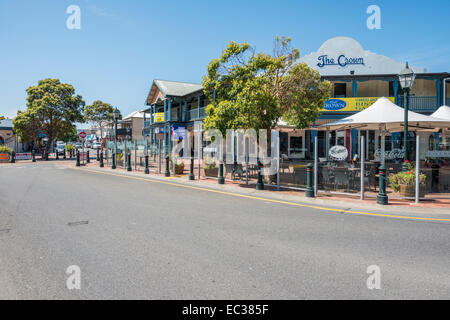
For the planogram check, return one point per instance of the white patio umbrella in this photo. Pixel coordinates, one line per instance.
(442, 113)
(387, 117)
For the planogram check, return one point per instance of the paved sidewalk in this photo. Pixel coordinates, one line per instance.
(348, 204)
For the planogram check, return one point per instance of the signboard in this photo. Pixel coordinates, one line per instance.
(24, 156)
(4, 157)
(2, 118)
(438, 154)
(350, 104)
(389, 155)
(341, 61)
(159, 117)
(339, 153)
(82, 135)
(179, 133)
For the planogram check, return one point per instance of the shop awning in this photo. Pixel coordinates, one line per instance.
(385, 115)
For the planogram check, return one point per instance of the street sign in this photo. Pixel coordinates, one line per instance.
(2, 118)
(82, 135)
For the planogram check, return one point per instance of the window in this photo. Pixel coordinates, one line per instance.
(296, 147)
(340, 90)
(431, 142)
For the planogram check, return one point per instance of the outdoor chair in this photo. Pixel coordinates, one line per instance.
(341, 179)
(300, 176)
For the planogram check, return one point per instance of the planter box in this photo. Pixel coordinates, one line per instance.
(4, 157)
(179, 169)
(409, 191)
(212, 172)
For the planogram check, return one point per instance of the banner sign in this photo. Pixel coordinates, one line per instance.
(339, 153)
(4, 157)
(159, 117)
(390, 155)
(23, 156)
(350, 104)
(438, 154)
(179, 133)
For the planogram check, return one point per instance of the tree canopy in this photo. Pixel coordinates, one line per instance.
(52, 109)
(257, 90)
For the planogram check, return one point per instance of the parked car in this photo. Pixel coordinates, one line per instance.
(88, 145)
(60, 148)
(97, 146)
(78, 145)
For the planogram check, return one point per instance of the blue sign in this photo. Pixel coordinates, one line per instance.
(335, 104)
(342, 61)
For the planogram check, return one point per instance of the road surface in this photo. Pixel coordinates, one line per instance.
(135, 239)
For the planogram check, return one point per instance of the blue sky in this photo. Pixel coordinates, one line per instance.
(123, 45)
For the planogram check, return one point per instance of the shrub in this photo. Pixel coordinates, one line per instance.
(210, 163)
(6, 149)
(405, 178)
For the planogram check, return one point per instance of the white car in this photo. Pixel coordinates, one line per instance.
(96, 146)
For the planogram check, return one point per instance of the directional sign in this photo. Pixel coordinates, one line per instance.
(2, 118)
(82, 135)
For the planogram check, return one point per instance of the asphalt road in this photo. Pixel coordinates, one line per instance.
(146, 240)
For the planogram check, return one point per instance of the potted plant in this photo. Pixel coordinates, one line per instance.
(211, 170)
(405, 182)
(5, 153)
(179, 165)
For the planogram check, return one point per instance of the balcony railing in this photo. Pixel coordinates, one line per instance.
(420, 104)
(194, 114)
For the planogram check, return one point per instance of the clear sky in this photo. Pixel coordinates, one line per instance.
(123, 45)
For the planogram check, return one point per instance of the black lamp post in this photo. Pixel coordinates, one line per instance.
(116, 118)
(406, 78)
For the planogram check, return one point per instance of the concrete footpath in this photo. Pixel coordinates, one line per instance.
(423, 211)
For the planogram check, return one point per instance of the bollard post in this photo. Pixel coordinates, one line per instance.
(65, 157)
(78, 158)
(87, 157)
(101, 160)
(309, 181)
(382, 197)
(13, 157)
(147, 171)
(221, 179)
(259, 183)
(98, 155)
(167, 173)
(129, 161)
(191, 169)
(33, 156)
(113, 166)
(57, 154)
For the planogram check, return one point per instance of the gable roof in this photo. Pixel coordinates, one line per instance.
(165, 88)
(6, 124)
(135, 114)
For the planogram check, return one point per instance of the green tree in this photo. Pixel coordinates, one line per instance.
(100, 113)
(69, 135)
(257, 90)
(52, 108)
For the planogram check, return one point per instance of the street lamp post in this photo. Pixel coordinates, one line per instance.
(406, 79)
(116, 118)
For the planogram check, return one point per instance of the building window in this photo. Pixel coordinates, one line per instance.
(431, 142)
(340, 90)
(296, 147)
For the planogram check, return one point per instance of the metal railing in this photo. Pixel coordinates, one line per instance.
(420, 104)
(194, 114)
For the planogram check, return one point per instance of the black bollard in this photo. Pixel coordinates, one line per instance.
(87, 157)
(146, 171)
(167, 173)
(221, 179)
(259, 183)
(191, 170)
(98, 155)
(129, 162)
(309, 181)
(57, 155)
(78, 159)
(113, 166)
(382, 197)
(65, 157)
(33, 156)
(13, 157)
(101, 160)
